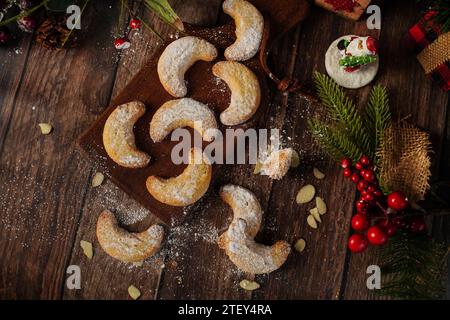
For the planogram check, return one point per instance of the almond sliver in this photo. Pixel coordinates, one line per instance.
(249, 285)
(315, 213)
(300, 245)
(134, 292)
(306, 194)
(46, 128)
(318, 174)
(321, 205)
(311, 221)
(87, 248)
(98, 179)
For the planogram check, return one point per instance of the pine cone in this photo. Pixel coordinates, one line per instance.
(53, 32)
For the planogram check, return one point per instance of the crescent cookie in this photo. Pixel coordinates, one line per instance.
(238, 241)
(249, 29)
(245, 91)
(185, 112)
(126, 246)
(118, 136)
(185, 189)
(245, 205)
(177, 58)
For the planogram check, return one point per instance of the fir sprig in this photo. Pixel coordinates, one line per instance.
(348, 124)
(334, 140)
(413, 266)
(377, 116)
(163, 9)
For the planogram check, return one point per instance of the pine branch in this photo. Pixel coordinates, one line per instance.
(415, 267)
(334, 140)
(378, 115)
(165, 12)
(341, 108)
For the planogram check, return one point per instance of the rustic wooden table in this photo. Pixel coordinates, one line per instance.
(47, 204)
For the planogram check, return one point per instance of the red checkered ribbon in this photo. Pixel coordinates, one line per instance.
(425, 33)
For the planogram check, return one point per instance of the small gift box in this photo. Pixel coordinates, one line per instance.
(350, 9)
(433, 48)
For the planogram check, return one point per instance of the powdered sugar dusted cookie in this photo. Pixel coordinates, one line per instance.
(245, 205)
(238, 241)
(177, 58)
(185, 112)
(185, 189)
(126, 246)
(249, 29)
(245, 91)
(277, 164)
(118, 136)
(352, 61)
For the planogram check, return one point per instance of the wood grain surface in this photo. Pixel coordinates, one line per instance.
(47, 203)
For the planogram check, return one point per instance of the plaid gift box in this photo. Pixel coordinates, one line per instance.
(433, 48)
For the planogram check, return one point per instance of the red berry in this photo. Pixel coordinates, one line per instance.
(364, 160)
(397, 201)
(372, 44)
(121, 43)
(371, 188)
(376, 236)
(399, 222)
(135, 24)
(346, 163)
(360, 222)
(417, 225)
(388, 227)
(5, 35)
(347, 172)
(377, 193)
(368, 174)
(362, 185)
(361, 206)
(358, 165)
(368, 197)
(357, 243)
(355, 177)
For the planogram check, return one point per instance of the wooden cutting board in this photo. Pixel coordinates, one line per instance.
(202, 86)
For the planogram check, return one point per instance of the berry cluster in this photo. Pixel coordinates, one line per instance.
(378, 216)
(25, 23)
(342, 5)
(123, 42)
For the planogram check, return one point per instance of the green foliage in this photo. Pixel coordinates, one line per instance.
(163, 9)
(378, 115)
(353, 61)
(334, 140)
(346, 125)
(413, 267)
